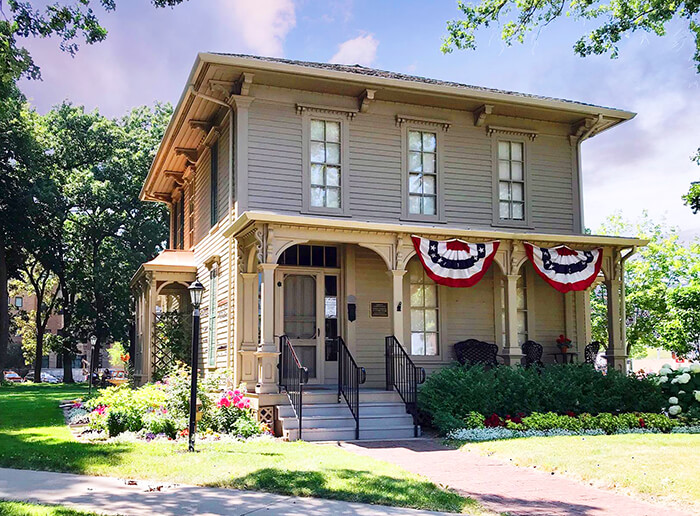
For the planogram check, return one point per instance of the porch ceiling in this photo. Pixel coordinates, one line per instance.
(251, 217)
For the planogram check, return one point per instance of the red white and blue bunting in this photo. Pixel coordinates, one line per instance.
(564, 268)
(454, 263)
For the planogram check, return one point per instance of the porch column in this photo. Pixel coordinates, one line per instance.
(150, 313)
(617, 350)
(398, 308)
(249, 345)
(267, 350)
(512, 350)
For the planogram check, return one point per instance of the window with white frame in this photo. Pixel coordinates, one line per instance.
(425, 337)
(19, 302)
(511, 180)
(422, 173)
(213, 285)
(325, 162)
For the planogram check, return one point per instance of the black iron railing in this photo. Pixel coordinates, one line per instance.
(293, 376)
(350, 377)
(404, 376)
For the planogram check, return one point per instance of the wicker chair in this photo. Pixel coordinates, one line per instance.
(533, 353)
(472, 351)
(591, 352)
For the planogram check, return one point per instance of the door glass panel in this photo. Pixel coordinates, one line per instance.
(331, 316)
(300, 307)
(307, 357)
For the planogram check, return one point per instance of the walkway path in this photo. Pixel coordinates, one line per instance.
(111, 495)
(502, 487)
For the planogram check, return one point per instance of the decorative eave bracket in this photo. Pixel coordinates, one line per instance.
(175, 175)
(244, 83)
(202, 125)
(402, 119)
(350, 113)
(366, 99)
(481, 114)
(163, 197)
(530, 133)
(190, 155)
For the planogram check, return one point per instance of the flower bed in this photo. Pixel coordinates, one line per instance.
(161, 411)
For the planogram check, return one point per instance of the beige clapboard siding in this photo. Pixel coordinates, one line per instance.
(375, 167)
(202, 209)
(223, 170)
(373, 285)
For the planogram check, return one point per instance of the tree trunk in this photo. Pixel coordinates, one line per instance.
(39, 354)
(66, 306)
(4, 306)
(67, 366)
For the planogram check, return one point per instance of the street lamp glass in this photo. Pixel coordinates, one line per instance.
(196, 289)
(93, 340)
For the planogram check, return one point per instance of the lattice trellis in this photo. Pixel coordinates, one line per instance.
(172, 333)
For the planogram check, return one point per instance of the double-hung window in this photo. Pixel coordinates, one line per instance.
(422, 173)
(511, 181)
(214, 186)
(424, 311)
(213, 284)
(325, 162)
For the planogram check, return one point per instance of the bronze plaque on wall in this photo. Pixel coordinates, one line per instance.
(380, 309)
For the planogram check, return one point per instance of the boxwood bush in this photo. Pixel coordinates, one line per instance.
(449, 396)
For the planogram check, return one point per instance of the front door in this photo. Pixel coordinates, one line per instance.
(303, 319)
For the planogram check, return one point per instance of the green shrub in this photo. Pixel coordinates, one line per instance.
(682, 386)
(449, 395)
(160, 423)
(474, 420)
(659, 422)
(550, 420)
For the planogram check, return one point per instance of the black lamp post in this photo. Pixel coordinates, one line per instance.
(196, 290)
(93, 341)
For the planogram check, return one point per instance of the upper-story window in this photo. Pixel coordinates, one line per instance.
(214, 187)
(422, 173)
(19, 302)
(325, 161)
(511, 181)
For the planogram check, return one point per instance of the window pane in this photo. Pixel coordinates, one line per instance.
(417, 321)
(431, 344)
(429, 142)
(429, 184)
(414, 162)
(316, 174)
(318, 154)
(317, 256)
(332, 153)
(317, 196)
(517, 191)
(414, 183)
(429, 163)
(415, 271)
(333, 176)
(418, 343)
(518, 211)
(331, 257)
(522, 322)
(517, 169)
(431, 320)
(503, 150)
(504, 210)
(333, 198)
(417, 295)
(429, 205)
(414, 140)
(333, 131)
(414, 204)
(430, 295)
(516, 149)
(520, 293)
(504, 191)
(504, 169)
(317, 130)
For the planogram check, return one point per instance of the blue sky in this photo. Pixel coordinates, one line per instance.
(643, 164)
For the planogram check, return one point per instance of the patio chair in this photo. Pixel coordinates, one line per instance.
(533, 353)
(473, 351)
(591, 351)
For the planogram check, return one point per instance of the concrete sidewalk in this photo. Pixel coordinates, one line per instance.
(115, 496)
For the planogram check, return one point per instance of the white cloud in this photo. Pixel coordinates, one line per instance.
(262, 25)
(361, 50)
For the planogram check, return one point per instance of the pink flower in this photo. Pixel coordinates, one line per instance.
(100, 409)
(229, 393)
(224, 402)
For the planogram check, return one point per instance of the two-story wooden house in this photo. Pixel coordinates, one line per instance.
(295, 189)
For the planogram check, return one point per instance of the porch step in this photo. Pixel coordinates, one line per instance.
(314, 397)
(338, 409)
(348, 434)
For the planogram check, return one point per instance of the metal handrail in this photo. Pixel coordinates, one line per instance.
(404, 376)
(350, 377)
(293, 376)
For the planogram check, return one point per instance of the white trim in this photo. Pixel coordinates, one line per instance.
(497, 221)
(439, 216)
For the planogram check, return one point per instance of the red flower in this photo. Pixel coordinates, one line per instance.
(642, 424)
(493, 421)
(570, 414)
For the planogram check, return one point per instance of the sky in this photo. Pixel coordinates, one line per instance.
(642, 165)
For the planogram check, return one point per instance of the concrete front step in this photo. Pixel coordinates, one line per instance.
(312, 397)
(348, 433)
(366, 409)
(340, 421)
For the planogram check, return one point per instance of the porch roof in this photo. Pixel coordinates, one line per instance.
(250, 217)
(169, 260)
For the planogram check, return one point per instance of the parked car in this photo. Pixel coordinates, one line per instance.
(11, 376)
(45, 377)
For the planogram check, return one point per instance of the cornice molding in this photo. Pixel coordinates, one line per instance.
(530, 133)
(402, 119)
(350, 113)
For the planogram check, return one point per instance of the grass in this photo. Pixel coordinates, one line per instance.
(654, 465)
(33, 435)
(32, 509)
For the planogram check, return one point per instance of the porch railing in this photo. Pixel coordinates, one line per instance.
(404, 376)
(350, 377)
(293, 376)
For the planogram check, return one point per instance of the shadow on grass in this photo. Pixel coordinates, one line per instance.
(351, 485)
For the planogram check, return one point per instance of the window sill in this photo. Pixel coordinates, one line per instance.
(423, 220)
(511, 224)
(323, 213)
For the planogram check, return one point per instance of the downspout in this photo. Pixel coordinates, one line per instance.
(623, 307)
(585, 136)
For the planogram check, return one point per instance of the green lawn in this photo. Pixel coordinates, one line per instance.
(33, 436)
(658, 465)
(32, 509)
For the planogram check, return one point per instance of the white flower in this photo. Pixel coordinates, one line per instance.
(681, 392)
(684, 378)
(697, 395)
(695, 368)
(663, 379)
(673, 400)
(674, 410)
(684, 369)
(665, 370)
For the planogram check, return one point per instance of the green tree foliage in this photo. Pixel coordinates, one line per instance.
(652, 278)
(614, 20)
